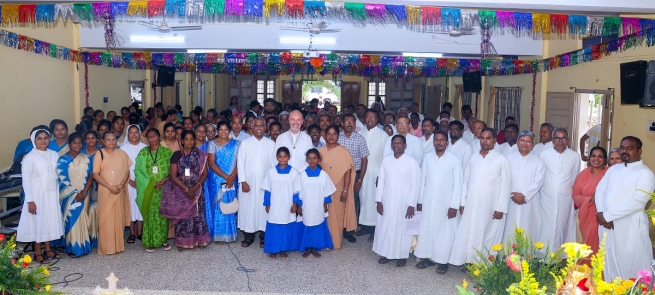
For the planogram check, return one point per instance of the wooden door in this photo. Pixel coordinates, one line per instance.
(434, 100)
(350, 92)
(291, 94)
(560, 111)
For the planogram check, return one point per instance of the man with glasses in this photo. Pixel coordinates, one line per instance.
(428, 126)
(557, 214)
(414, 144)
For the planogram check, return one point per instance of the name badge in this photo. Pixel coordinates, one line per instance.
(155, 170)
(187, 172)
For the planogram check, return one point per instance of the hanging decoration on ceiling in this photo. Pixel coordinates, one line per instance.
(486, 48)
(112, 39)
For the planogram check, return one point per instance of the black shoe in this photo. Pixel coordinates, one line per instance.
(370, 238)
(351, 239)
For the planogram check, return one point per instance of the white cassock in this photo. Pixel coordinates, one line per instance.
(507, 149)
(487, 184)
(428, 145)
(441, 189)
(621, 196)
(540, 147)
(527, 178)
(40, 185)
(298, 145)
(557, 214)
(254, 159)
(375, 140)
(462, 150)
(468, 136)
(476, 147)
(414, 148)
(132, 151)
(398, 189)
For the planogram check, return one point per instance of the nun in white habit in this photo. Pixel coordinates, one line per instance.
(132, 147)
(41, 220)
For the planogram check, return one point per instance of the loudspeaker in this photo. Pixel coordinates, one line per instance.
(166, 76)
(649, 90)
(633, 81)
(472, 82)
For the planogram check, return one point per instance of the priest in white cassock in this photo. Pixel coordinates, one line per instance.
(621, 197)
(485, 198)
(428, 126)
(468, 133)
(396, 197)
(296, 141)
(256, 156)
(439, 200)
(511, 135)
(528, 169)
(557, 214)
(458, 146)
(375, 140)
(414, 146)
(545, 139)
(476, 128)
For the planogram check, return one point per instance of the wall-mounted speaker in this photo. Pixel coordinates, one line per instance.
(165, 76)
(633, 81)
(472, 82)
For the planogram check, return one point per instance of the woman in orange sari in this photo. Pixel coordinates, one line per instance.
(584, 189)
(338, 164)
(111, 169)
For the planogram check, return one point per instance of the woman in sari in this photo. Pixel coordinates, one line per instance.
(132, 148)
(103, 127)
(211, 132)
(152, 166)
(91, 139)
(183, 201)
(75, 179)
(222, 160)
(59, 130)
(584, 189)
(169, 141)
(200, 135)
(111, 169)
(118, 126)
(338, 164)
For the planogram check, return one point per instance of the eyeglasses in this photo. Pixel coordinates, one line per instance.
(402, 123)
(558, 139)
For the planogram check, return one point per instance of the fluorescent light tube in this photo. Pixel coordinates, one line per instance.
(206, 51)
(414, 54)
(301, 51)
(166, 39)
(305, 40)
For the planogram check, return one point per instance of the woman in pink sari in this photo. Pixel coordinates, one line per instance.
(584, 189)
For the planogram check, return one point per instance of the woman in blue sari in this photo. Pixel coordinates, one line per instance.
(59, 143)
(200, 136)
(92, 140)
(75, 179)
(222, 158)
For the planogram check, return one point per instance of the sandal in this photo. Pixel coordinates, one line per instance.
(401, 262)
(261, 243)
(71, 255)
(383, 260)
(423, 264)
(166, 246)
(54, 256)
(442, 269)
(140, 237)
(131, 239)
(44, 260)
(247, 243)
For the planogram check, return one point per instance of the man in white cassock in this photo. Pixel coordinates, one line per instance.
(396, 197)
(439, 200)
(468, 132)
(528, 169)
(557, 214)
(545, 138)
(428, 126)
(511, 135)
(375, 139)
(476, 128)
(414, 146)
(485, 197)
(621, 197)
(256, 156)
(296, 141)
(458, 146)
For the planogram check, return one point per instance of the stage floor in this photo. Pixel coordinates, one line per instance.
(213, 270)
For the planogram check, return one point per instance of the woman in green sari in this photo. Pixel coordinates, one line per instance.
(151, 171)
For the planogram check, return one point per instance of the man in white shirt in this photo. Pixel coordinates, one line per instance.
(557, 214)
(468, 132)
(476, 129)
(467, 114)
(593, 135)
(621, 197)
(296, 141)
(545, 138)
(236, 125)
(439, 200)
(256, 156)
(458, 146)
(428, 128)
(511, 134)
(527, 177)
(414, 145)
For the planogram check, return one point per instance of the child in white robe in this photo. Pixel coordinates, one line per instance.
(281, 187)
(317, 189)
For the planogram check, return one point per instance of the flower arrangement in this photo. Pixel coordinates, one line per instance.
(17, 275)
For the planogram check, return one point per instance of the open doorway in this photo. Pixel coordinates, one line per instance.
(593, 122)
(324, 91)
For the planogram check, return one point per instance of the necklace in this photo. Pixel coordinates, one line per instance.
(294, 142)
(332, 158)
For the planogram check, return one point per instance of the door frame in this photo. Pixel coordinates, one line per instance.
(608, 114)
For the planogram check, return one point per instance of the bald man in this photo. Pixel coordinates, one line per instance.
(296, 141)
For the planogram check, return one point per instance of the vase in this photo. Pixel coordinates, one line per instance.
(578, 281)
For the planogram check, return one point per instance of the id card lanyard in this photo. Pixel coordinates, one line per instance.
(155, 169)
(187, 170)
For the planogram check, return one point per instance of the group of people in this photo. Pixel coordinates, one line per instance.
(306, 179)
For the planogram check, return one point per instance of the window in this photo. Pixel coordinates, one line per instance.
(376, 89)
(467, 99)
(136, 91)
(508, 103)
(265, 89)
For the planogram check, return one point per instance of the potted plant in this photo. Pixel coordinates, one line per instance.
(18, 277)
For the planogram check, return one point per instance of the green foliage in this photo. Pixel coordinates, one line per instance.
(307, 85)
(17, 276)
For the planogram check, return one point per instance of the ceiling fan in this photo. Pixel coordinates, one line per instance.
(455, 32)
(163, 27)
(313, 28)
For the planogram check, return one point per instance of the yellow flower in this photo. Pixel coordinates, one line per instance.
(45, 271)
(519, 230)
(619, 290)
(576, 250)
(497, 247)
(465, 284)
(652, 219)
(627, 284)
(47, 288)
(552, 254)
(12, 246)
(27, 259)
(539, 245)
(476, 272)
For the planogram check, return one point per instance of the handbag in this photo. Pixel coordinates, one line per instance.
(231, 207)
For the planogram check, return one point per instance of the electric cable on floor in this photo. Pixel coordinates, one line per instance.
(241, 267)
(52, 268)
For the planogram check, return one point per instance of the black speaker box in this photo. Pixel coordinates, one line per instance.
(472, 82)
(633, 81)
(649, 90)
(166, 76)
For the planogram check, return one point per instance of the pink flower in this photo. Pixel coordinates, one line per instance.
(514, 262)
(644, 276)
(514, 246)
